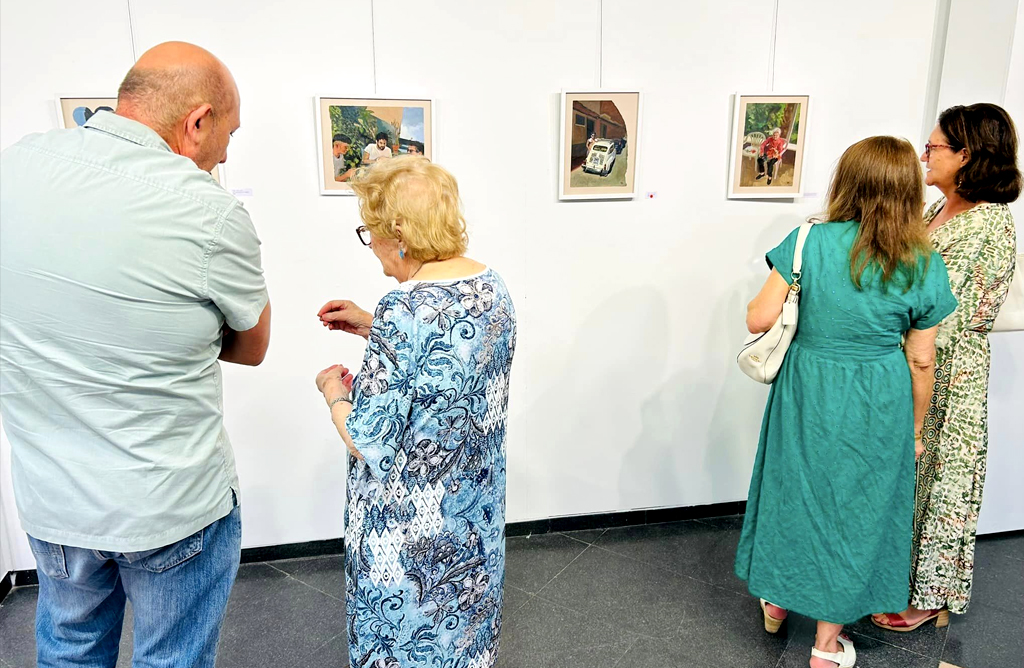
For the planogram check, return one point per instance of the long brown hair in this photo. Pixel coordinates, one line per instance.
(878, 183)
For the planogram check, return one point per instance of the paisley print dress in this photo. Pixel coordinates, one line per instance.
(425, 522)
(979, 249)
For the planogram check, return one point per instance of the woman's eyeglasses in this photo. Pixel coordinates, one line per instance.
(928, 148)
(364, 235)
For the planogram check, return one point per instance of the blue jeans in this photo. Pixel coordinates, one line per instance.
(179, 594)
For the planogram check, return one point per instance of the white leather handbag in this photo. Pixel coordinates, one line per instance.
(1011, 315)
(762, 354)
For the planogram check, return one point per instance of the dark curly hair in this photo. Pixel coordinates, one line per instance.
(988, 134)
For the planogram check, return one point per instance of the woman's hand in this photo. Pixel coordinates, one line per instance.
(918, 447)
(346, 316)
(335, 381)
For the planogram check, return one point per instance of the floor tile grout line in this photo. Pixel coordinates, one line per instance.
(305, 584)
(889, 644)
(581, 542)
(555, 577)
(578, 540)
(785, 650)
(618, 662)
(329, 642)
(666, 568)
(315, 557)
(713, 584)
(945, 641)
(643, 636)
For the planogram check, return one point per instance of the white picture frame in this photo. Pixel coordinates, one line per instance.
(582, 186)
(322, 102)
(788, 185)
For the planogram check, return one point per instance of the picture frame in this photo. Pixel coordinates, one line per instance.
(408, 124)
(75, 110)
(766, 149)
(599, 140)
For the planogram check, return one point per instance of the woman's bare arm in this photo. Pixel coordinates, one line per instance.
(764, 310)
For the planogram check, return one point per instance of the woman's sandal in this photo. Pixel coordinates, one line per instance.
(846, 658)
(771, 624)
(895, 621)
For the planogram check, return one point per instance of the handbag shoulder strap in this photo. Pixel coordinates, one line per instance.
(798, 252)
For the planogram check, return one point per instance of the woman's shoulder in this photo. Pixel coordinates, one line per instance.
(994, 220)
(994, 214)
(841, 232)
(397, 298)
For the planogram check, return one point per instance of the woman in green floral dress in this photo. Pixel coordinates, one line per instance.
(972, 158)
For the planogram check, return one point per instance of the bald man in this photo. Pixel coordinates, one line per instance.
(126, 272)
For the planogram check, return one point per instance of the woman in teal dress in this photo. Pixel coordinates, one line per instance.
(829, 519)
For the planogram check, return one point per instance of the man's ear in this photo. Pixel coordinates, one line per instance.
(200, 115)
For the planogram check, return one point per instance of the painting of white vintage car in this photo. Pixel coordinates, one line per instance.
(601, 158)
(600, 136)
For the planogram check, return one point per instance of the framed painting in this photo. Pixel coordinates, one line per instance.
(769, 135)
(354, 133)
(600, 140)
(73, 112)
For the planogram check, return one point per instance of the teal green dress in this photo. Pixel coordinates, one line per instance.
(829, 520)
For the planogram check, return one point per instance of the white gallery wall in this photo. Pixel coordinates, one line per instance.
(1003, 506)
(625, 392)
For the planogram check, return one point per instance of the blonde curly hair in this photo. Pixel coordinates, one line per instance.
(423, 198)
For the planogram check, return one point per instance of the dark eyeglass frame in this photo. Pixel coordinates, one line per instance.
(359, 233)
(928, 148)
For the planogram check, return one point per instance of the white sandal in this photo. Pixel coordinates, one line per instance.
(846, 659)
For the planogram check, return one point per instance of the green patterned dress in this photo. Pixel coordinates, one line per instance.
(979, 249)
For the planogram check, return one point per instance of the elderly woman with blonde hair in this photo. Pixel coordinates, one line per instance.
(424, 423)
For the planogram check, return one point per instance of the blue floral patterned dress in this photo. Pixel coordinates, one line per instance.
(425, 526)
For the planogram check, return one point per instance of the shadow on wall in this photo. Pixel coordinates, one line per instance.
(615, 352)
(627, 402)
(736, 423)
(709, 412)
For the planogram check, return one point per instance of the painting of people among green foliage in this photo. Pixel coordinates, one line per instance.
(768, 146)
(355, 134)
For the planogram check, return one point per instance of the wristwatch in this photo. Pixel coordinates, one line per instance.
(338, 400)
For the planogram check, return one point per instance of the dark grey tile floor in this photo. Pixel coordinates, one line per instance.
(656, 596)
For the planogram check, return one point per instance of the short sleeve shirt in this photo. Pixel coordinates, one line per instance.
(120, 266)
(374, 154)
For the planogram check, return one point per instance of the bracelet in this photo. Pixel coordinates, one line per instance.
(337, 400)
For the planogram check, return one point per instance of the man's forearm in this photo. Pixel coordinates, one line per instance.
(249, 347)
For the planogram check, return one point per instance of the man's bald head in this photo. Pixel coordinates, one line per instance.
(176, 84)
